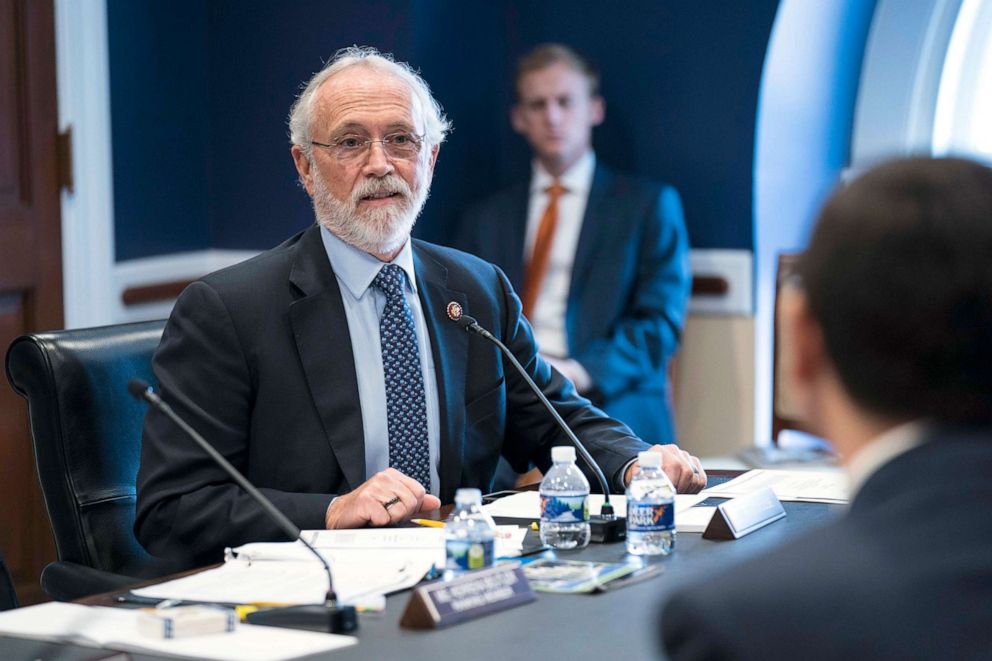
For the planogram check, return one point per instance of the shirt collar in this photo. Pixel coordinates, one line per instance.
(357, 268)
(881, 450)
(577, 179)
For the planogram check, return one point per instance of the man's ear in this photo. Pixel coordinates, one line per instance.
(517, 120)
(433, 159)
(597, 110)
(303, 165)
(801, 354)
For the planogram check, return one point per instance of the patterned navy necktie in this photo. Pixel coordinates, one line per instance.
(406, 405)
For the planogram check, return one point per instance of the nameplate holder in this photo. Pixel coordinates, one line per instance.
(475, 594)
(743, 515)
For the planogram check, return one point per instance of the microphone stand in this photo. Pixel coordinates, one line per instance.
(327, 617)
(605, 527)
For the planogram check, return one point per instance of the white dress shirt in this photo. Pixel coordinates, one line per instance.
(548, 317)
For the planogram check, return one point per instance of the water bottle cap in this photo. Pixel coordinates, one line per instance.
(649, 459)
(468, 496)
(562, 453)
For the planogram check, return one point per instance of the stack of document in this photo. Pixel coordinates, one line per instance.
(821, 486)
(117, 629)
(365, 563)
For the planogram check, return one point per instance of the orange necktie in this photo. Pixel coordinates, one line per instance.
(537, 268)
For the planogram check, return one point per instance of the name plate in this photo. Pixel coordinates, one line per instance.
(743, 515)
(477, 593)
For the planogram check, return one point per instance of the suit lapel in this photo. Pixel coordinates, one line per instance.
(590, 237)
(320, 329)
(513, 236)
(449, 347)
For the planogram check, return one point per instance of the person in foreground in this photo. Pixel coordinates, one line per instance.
(328, 370)
(891, 358)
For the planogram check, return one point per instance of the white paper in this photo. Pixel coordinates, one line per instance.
(509, 542)
(298, 582)
(363, 563)
(117, 629)
(527, 504)
(349, 545)
(694, 519)
(813, 486)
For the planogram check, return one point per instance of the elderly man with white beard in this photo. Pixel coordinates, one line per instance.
(328, 369)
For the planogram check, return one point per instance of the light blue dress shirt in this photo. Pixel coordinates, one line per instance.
(363, 306)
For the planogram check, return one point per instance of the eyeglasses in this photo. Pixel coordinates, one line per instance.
(352, 147)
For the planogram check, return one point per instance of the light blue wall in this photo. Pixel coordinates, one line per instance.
(805, 113)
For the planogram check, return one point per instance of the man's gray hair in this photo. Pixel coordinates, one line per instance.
(436, 124)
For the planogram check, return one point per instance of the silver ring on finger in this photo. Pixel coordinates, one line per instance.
(389, 503)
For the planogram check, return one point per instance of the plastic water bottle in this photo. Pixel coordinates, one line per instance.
(564, 502)
(650, 509)
(469, 533)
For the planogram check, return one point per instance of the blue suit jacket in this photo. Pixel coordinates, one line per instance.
(628, 293)
(258, 359)
(905, 574)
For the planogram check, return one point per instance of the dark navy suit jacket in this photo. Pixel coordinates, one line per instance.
(905, 574)
(258, 359)
(628, 293)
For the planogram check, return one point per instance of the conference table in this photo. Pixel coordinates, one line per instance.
(613, 624)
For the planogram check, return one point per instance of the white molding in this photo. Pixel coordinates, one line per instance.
(962, 103)
(734, 266)
(83, 85)
(166, 268)
(900, 79)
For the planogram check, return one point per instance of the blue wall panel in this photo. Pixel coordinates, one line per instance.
(680, 79)
(160, 124)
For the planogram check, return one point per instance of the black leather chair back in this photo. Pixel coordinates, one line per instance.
(8, 598)
(86, 429)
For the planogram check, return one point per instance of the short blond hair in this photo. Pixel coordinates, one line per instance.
(545, 55)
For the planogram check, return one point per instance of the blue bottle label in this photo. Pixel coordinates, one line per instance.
(467, 554)
(650, 517)
(564, 509)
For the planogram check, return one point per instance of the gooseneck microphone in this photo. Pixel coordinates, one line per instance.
(607, 527)
(329, 616)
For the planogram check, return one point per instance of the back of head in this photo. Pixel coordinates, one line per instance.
(898, 274)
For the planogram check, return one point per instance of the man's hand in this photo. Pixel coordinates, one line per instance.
(387, 497)
(683, 469)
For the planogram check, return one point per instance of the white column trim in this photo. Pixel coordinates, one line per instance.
(900, 79)
(734, 266)
(83, 86)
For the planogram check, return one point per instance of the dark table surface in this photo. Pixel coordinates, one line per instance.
(621, 623)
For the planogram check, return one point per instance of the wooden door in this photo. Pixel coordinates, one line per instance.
(30, 265)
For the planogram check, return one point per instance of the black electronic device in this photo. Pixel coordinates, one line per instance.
(328, 617)
(605, 527)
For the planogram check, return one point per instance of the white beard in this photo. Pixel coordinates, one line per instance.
(377, 230)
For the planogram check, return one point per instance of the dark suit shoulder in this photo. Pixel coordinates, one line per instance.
(245, 275)
(459, 265)
(625, 184)
(250, 293)
(907, 543)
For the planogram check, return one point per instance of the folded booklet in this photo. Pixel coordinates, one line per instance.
(573, 576)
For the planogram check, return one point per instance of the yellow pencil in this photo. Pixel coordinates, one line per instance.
(430, 523)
